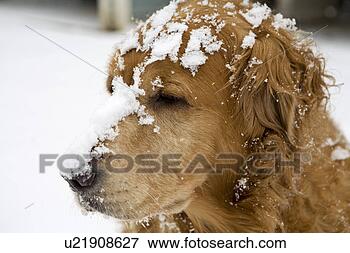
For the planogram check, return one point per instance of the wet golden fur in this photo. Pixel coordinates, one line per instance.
(235, 110)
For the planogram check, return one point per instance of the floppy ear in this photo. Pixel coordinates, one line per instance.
(276, 84)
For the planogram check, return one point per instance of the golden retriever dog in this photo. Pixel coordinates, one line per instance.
(219, 80)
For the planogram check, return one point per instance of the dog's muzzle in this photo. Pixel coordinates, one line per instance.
(82, 181)
(79, 182)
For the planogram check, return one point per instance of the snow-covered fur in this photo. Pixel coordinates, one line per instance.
(253, 85)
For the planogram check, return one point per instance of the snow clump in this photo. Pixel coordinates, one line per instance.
(104, 126)
(249, 40)
(168, 43)
(340, 153)
(256, 15)
(194, 56)
(229, 5)
(284, 23)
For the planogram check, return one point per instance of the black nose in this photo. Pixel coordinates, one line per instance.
(79, 182)
(82, 181)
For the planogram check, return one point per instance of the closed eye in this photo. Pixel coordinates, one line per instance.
(167, 100)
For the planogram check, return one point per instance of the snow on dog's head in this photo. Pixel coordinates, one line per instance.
(188, 84)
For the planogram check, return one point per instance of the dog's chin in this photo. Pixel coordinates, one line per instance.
(95, 202)
(90, 202)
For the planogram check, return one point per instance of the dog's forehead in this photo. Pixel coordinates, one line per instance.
(163, 34)
(186, 33)
(190, 34)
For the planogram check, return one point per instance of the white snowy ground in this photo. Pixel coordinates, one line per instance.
(46, 97)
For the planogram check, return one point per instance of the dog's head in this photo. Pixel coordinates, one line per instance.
(205, 78)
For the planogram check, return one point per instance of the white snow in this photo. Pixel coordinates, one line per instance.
(340, 153)
(131, 41)
(203, 2)
(194, 56)
(240, 187)
(164, 15)
(157, 83)
(156, 129)
(284, 23)
(121, 104)
(242, 183)
(329, 142)
(120, 63)
(46, 99)
(168, 43)
(220, 26)
(144, 117)
(229, 5)
(334, 45)
(166, 225)
(245, 2)
(164, 38)
(249, 40)
(257, 14)
(157, 21)
(193, 59)
(254, 61)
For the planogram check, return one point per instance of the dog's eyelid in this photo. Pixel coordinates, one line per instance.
(171, 89)
(166, 98)
(165, 94)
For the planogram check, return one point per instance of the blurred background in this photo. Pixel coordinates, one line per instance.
(47, 93)
(116, 14)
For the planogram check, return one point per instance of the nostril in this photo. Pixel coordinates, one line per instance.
(86, 180)
(78, 182)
